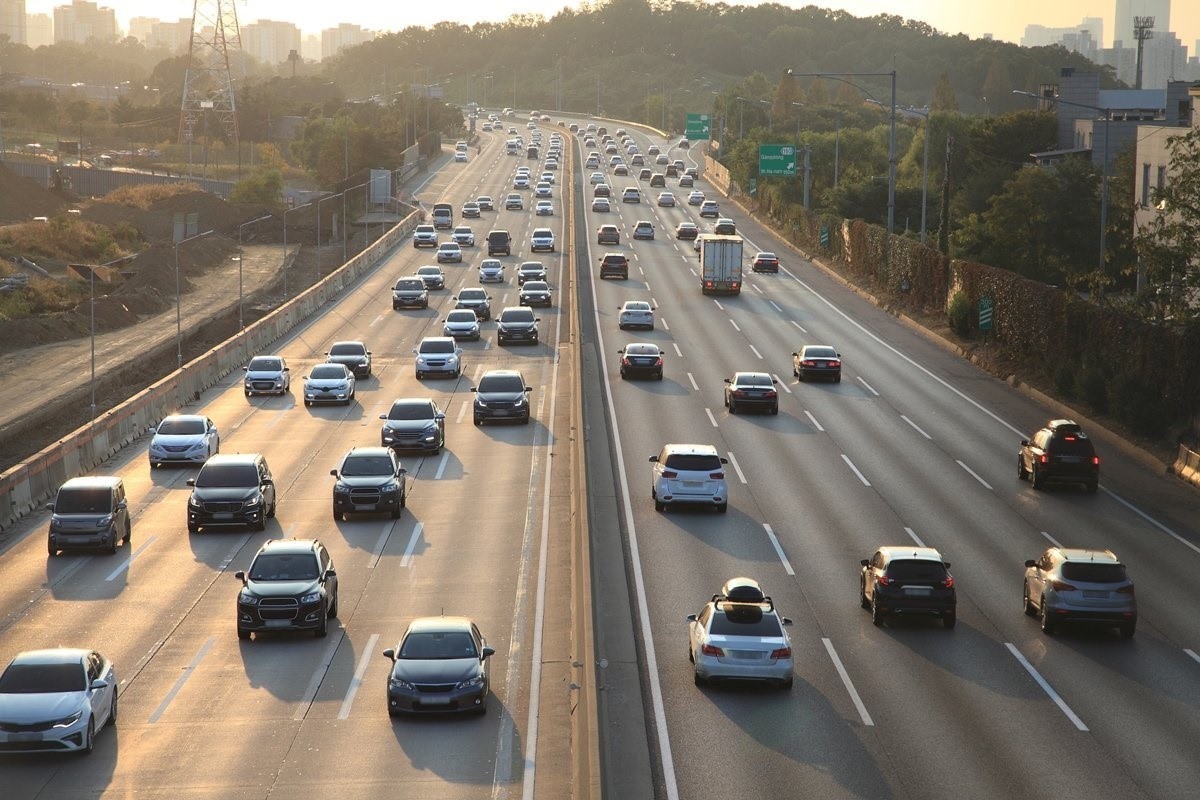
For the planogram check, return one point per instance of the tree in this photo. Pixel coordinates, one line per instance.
(943, 96)
(263, 187)
(1168, 245)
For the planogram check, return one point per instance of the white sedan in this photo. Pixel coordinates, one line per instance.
(636, 314)
(184, 438)
(449, 251)
(55, 701)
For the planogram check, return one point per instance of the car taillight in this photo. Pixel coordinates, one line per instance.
(624, 361)
(884, 580)
(770, 393)
(712, 650)
(1044, 458)
(1062, 586)
(781, 652)
(739, 392)
(670, 474)
(1096, 461)
(719, 476)
(1125, 589)
(948, 583)
(834, 363)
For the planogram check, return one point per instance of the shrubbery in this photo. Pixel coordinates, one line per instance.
(958, 314)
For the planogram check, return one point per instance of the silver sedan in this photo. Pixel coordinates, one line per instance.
(636, 314)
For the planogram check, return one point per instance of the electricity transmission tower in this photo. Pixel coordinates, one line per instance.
(208, 82)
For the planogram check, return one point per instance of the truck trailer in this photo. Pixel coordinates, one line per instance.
(720, 264)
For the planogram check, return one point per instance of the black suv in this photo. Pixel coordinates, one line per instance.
(517, 324)
(410, 292)
(1059, 453)
(370, 480)
(499, 243)
(354, 355)
(614, 265)
(413, 424)
(502, 394)
(231, 490)
(291, 586)
(907, 581)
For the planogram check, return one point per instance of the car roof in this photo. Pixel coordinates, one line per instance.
(1078, 554)
(690, 449)
(232, 458)
(185, 417)
(288, 546)
(92, 482)
(437, 339)
(348, 341)
(407, 401)
(51, 655)
(433, 267)
(906, 553)
(426, 624)
(369, 451)
(501, 373)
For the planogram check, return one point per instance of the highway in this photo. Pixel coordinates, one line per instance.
(914, 446)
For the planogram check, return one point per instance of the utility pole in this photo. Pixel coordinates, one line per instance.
(944, 227)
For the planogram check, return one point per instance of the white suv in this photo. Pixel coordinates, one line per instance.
(541, 239)
(689, 474)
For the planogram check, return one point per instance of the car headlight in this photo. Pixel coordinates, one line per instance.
(420, 359)
(400, 683)
(520, 401)
(195, 503)
(340, 488)
(480, 403)
(391, 486)
(253, 501)
(311, 597)
(470, 683)
(247, 599)
(67, 722)
(364, 362)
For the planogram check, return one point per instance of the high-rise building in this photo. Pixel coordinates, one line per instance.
(39, 30)
(83, 20)
(1128, 9)
(12, 20)
(344, 35)
(1164, 59)
(269, 42)
(310, 48)
(140, 27)
(173, 36)
(1085, 38)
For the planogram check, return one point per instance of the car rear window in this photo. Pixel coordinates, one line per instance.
(916, 570)
(693, 462)
(83, 501)
(820, 352)
(1094, 573)
(744, 620)
(1072, 446)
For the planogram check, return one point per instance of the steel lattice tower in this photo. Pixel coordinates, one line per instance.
(208, 82)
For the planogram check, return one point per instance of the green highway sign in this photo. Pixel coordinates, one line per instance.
(776, 159)
(987, 310)
(699, 126)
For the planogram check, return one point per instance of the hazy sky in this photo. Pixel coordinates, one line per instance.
(1004, 20)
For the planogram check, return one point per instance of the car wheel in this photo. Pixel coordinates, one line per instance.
(52, 550)
(862, 594)
(1026, 604)
(525, 420)
(243, 634)
(876, 614)
(478, 421)
(333, 607)
(420, 375)
(112, 547)
(948, 621)
(799, 375)
(1036, 478)
(307, 404)
(722, 507)
(261, 525)
(1092, 487)
(396, 511)
(1022, 473)
(786, 683)
(1127, 630)
(247, 394)
(658, 376)
(337, 515)
(732, 407)
(700, 681)
(193, 528)
(1045, 618)
(775, 409)
(323, 630)
(112, 709)
(659, 505)
(89, 743)
(271, 511)
(624, 376)
(837, 378)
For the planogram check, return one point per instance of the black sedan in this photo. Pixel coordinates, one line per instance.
(765, 262)
(641, 358)
(747, 390)
(817, 361)
(439, 667)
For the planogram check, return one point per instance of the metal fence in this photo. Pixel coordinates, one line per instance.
(96, 182)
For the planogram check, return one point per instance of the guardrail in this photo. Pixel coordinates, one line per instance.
(24, 487)
(1187, 465)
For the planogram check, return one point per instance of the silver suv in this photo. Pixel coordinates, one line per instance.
(1076, 585)
(425, 236)
(689, 474)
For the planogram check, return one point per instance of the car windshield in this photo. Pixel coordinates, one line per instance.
(284, 567)
(265, 364)
(350, 349)
(83, 501)
(517, 315)
(501, 383)
(766, 256)
(177, 426)
(1072, 445)
(411, 411)
(462, 230)
(367, 465)
(536, 286)
(734, 619)
(43, 679)
(431, 271)
(447, 246)
(231, 475)
(433, 645)
(916, 570)
(820, 352)
(1093, 573)
(326, 372)
(472, 294)
(409, 284)
(437, 346)
(693, 462)
(461, 316)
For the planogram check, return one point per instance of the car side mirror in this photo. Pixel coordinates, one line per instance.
(330, 573)
(383, 416)
(389, 654)
(245, 369)
(439, 415)
(653, 459)
(401, 472)
(414, 349)
(98, 684)
(240, 575)
(49, 506)
(1030, 563)
(333, 472)
(487, 651)
(528, 388)
(289, 369)
(795, 355)
(786, 620)
(191, 481)
(724, 460)
(473, 389)
(691, 617)
(865, 562)
(729, 380)
(122, 505)
(268, 482)
(946, 564)
(1024, 443)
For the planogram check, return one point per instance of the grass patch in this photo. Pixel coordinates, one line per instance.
(68, 239)
(147, 196)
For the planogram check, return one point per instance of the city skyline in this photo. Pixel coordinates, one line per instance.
(1003, 21)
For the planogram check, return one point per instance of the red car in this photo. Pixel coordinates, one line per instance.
(765, 262)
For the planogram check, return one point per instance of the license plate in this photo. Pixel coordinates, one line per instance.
(1068, 459)
(435, 701)
(1096, 595)
(277, 623)
(364, 507)
(693, 484)
(223, 515)
(25, 737)
(917, 590)
(500, 413)
(77, 540)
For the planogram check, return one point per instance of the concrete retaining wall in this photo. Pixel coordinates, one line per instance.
(1187, 465)
(28, 485)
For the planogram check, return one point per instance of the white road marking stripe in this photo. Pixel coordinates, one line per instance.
(1033, 673)
(869, 387)
(319, 673)
(693, 271)
(845, 676)
(798, 325)
(718, 302)
(754, 286)
(1192, 653)
(678, 352)
(973, 474)
(787, 565)
(653, 300)
(914, 426)
(1051, 539)
(406, 561)
(737, 467)
(1151, 520)
(693, 382)
(850, 464)
(782, 383)
(754, 350)
(188, 671)
(663, 321)
(442, 466)
(735, 325)
(711, 418)
(462, 412)
(914, 536)
(352, 690)
(125, 564)
(371, 324)
(775, 306)
(813, 420)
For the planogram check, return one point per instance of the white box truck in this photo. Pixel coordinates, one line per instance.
(720, 264)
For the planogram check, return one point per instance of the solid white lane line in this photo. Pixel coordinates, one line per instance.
(693, 382)
(775, 306)
(850, 464)
(310, 692)
(344, 713)
(462, 412)
(787, 565)
(737, 467)
(845, 676)
(441, 470)
(798, 325)
(406, 561)
(1051, 539)
(974, 474)
(914, 536)
(188, 671)
(813, 420)
(754, 350)
(718, 302)
(869, 387)
(678, 352)
(1053, 695)
(1193, 655)
(915, 427)
(782, 383)
(125, 564)
(735, 325)
(711, 418)
(478, 373)
(1151, 520)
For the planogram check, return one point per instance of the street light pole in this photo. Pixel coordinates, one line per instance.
(287, 211)
(178, 312)
(319, 201)
(924, 168)
(241, 261)
(92, 273)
